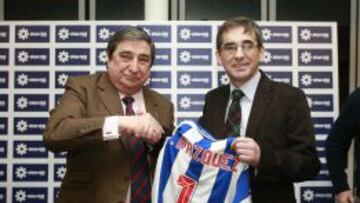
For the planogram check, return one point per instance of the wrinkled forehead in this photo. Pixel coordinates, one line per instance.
(134, 46)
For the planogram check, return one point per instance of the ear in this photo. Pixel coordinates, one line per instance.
(218, 58)
(261, 53)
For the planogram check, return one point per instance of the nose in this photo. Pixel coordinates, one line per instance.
(239, 53)
(134, 65)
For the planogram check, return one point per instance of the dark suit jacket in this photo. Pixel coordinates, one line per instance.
(280, 123)
(97, 171)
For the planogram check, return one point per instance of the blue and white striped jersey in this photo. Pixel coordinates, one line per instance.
(194, 167)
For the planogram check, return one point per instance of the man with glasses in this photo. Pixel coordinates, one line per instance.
(271, 120)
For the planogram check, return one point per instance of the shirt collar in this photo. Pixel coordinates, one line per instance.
(137, 96)
(249, 88)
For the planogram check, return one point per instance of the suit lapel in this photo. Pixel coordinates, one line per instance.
(260, 103)
(151, 104)
(219, 124)
(109, 96)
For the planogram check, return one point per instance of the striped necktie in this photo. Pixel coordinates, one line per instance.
(233, 120)
(140, 176)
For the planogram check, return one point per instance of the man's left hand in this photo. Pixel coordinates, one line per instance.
(248, 150)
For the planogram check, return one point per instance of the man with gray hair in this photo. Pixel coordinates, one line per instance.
(111, 126)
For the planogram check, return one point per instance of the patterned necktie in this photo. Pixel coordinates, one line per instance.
(233, 120)
(140, 178)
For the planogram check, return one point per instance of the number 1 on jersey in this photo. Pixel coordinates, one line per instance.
(188, 186)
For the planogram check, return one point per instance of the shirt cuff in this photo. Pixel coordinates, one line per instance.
(110, 128)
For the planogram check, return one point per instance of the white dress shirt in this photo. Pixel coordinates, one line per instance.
(246, 102)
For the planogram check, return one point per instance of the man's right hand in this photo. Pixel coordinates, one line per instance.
(345, 197)
(143, 126)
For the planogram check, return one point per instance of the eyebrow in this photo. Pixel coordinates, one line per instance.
(245, 41)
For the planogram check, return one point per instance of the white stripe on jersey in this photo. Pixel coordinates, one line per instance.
(193, 167)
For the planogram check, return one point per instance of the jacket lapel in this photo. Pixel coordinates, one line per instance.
(262, 98)
(151, 104)
(220, 112)
(109, 96)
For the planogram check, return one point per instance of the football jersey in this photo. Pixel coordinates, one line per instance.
(193, 167)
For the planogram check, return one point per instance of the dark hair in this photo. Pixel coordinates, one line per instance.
(248, 24)
(130, 33)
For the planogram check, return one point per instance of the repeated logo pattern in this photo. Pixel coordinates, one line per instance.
(37, 59)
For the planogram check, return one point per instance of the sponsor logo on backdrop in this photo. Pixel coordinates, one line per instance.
(163, 57)
(32, 33)
(315, 57)
(3, 173)
(322, 125)
(31, 102)
(101, 56)
(30, 149)
(62, 77)
(193, 33)
(30, 172)
(324, 174)
(314, 34)
(3, 149)
(4, 57)
(320, 147)
(4, 33)
(33, 194)
(60, 155)
(190, 102)
(29, 125)
(4, 102)
(72, 56)
(315, 80)
(56, 193)
(72, 33)
(284, 77)
(31, 56)
(223, 79)
(320, 102)
(104, 32)
(276, 34)
(2, 194)
(4, 79)
(194, 56)
(316, 194)
(59, 172)
(278, 57)
(158, 33)
(57, 99)
(3, 126)
(159, 79)
(27, 79)
(198, 79)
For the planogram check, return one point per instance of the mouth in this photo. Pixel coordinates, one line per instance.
(240, 66)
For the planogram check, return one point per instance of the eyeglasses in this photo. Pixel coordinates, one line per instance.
(246, 47)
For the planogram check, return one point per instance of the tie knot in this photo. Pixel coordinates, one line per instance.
(237, 94)
(128, 100)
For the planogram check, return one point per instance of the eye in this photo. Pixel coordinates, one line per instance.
(230, 47)
(126, 56)
(247, 45)
(144, 59)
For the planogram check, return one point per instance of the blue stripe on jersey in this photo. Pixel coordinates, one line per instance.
(242, 186)
(169, 157)
(195, 167)
(223, 178)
